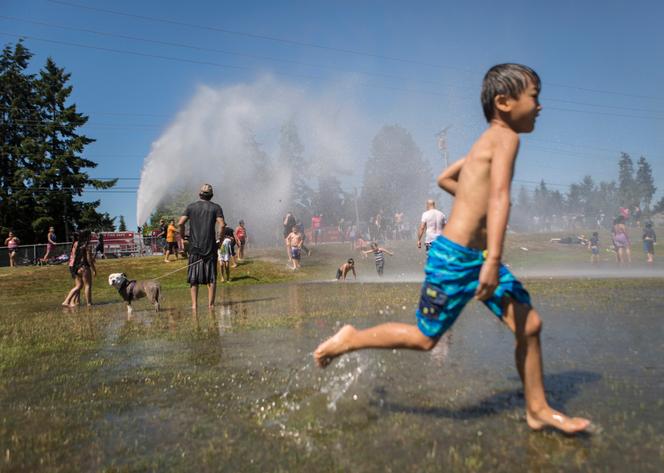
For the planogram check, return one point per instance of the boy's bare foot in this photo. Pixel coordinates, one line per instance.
(550, 418)
(333, 346)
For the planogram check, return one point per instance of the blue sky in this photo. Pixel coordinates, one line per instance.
(417, 64)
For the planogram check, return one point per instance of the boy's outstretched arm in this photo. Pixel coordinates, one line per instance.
(502, 169)
(449, 178)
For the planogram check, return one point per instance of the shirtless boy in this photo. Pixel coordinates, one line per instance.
(465, 261)
(294, 242)
(344, 269)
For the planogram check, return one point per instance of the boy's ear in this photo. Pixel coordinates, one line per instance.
(503, 102)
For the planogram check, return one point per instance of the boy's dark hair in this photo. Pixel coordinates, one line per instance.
(351, 261)
(505, 79)
(648, 224)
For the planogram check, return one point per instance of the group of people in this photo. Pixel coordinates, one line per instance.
(231, 245)
(622, 245)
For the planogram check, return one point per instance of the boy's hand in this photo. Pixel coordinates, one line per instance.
(488, 280)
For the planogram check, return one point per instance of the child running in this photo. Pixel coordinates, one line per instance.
(465, 261)
(379, 255)
(343, 270)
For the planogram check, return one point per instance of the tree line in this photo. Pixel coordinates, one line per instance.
(588, 202)
(42, 170)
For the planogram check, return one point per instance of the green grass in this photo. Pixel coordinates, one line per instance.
(91, 389)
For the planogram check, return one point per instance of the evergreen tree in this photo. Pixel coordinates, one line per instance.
(41, 168)
(59, 163)
(645, 183)
(396, 176)
(627, 188)
(18, 114)
(291, 157)
(122, 227)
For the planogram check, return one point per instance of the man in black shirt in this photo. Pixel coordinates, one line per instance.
(202, 216)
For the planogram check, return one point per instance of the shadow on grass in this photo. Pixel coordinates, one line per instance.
(561, 387)
(240, 278)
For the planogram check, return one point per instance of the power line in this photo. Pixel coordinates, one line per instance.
(209, 63)
(255, 36)
(318, 46)
(214, 50)
(287, 61)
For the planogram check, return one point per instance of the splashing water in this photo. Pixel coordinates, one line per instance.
(351, 366)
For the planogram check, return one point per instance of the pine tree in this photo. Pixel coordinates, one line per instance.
(627, 188)
(18, 113)
(62, 166)
(291, 157)
(645, 183)
(41, 167)
(396, 176)
(122, 226)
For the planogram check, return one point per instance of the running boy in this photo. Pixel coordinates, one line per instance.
(464, 262)
(343, 270)
(379, 255)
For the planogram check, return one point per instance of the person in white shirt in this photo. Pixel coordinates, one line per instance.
(432, 223)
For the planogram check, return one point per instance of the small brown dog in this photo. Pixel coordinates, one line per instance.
(131, 290)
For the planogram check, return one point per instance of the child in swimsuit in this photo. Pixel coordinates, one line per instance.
(12, 242)
(594, 248)
(621, 241)
(649, 240)
(464, 263)
(224, 254)
(343, 270)
(294, 242)
(379, 255)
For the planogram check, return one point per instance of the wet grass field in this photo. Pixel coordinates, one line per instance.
(235, 388)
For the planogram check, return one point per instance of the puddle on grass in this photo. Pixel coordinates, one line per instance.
(235, 388)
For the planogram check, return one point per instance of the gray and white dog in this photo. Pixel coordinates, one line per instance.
(131, 290)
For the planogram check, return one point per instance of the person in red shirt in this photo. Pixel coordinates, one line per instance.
(241, 239)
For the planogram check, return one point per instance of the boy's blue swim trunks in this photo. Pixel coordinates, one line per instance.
(451, 278)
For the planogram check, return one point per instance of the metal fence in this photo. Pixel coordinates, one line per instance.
(27, 255)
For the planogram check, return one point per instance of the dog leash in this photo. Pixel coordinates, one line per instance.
(179, 269)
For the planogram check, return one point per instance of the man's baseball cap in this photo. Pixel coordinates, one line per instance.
(206, 189)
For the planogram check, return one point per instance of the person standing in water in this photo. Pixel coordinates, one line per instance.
(289, 222)
(465, 261)
(379, 256)
(621, 241)
(593, 244)
(649, 240)
(241, 239)
(295, 241)
(431, 225)
(203, 216)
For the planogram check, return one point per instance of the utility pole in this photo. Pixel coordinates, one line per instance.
(441, 138)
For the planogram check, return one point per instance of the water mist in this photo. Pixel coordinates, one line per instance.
(229, 137)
